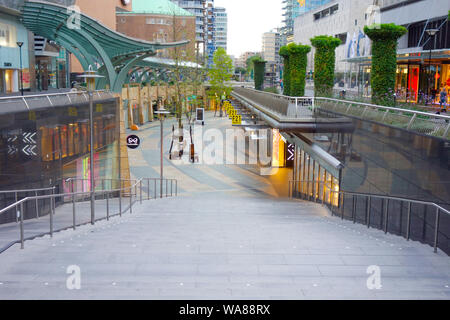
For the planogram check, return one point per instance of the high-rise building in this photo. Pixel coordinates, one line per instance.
(221, 27)
(271, 44)
(204, 13)
(292, 9)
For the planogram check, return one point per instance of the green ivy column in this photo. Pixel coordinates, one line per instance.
(324, 64)
(384, 61)
(298, 61)
(284, 52)
(260, 68)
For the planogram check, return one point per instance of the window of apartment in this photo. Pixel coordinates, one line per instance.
(150, 21)
(326, 12)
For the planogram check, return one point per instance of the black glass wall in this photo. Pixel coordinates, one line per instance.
(43, 147)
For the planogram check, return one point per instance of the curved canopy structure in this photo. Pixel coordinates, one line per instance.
(111, 53)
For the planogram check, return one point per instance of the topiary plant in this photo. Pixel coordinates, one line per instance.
(324, 64)
(384, 61)
(284, 52)
(298, 61)
(260, 68)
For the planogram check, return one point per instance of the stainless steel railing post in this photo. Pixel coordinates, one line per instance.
(408, 222)
(51, 217)
(436, 230)
(140, 191)
(120, 198)
(155, 187)
(368, 211)
(17, 208)
(386, 216)
(37, 205)
(74, 211)
(131, 199)
(21, 227)
(107, 205)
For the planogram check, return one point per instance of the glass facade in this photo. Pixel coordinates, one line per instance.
(45, 146)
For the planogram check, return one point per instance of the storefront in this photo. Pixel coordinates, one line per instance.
(12, 32)
(51, 69)
(419, 79)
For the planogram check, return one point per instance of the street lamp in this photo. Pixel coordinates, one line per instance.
(432, 34)
(161, 113)
(20, 44)
(90, 77)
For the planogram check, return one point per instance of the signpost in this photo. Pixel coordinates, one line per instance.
(200, 115)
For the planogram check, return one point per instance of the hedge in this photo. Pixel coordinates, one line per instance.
(324, 64)
(284, 52)
(298, 61)
(260, 69)
(384, 61)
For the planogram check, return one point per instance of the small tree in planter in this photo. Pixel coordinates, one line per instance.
(324, 64)
(298, 61)
(260, 69)
(284, 52)
(384, 61)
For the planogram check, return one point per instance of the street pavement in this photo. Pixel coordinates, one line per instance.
(230, 234)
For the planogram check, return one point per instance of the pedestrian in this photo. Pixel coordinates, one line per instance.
(443, 98)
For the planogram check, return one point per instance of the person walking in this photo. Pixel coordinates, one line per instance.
(443, 99)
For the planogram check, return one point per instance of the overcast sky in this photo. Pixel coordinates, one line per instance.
(248, 20)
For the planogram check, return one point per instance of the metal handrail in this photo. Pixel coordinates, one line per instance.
(373, 195)
(401, 110)
(369, 196)
(27, 190)
(51, 94)
(51, 196)
(105, 193)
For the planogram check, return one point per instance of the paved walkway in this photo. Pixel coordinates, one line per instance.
(230, 235)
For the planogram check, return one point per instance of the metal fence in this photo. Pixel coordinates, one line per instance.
(14, 104)
(295, 108)
(423, 221)
(418, 121)
(117, 197)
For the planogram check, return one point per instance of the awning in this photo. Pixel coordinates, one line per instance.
(111, 53)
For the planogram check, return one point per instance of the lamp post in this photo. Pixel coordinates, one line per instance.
(432, 34)
(90, 77)
(161, 112)
(20, 44)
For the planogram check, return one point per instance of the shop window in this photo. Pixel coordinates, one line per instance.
(8, 35)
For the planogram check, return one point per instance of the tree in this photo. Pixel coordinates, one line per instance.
(221, 72)
(324, 64)
(298, 61)
(284, 52)
(384, 61)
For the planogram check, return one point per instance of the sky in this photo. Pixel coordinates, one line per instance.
(248, 20)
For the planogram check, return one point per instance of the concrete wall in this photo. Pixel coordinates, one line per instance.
(134, 25)
(350, 18)
(103, 11)
(416, 11)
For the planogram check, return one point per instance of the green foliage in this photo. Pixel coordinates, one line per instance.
(324, 64)
(298, 61)
(384, 61)
(240, 70)
(259, 66)
(250, 65)
(284, 52)
(221, 72)
(271, 90)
